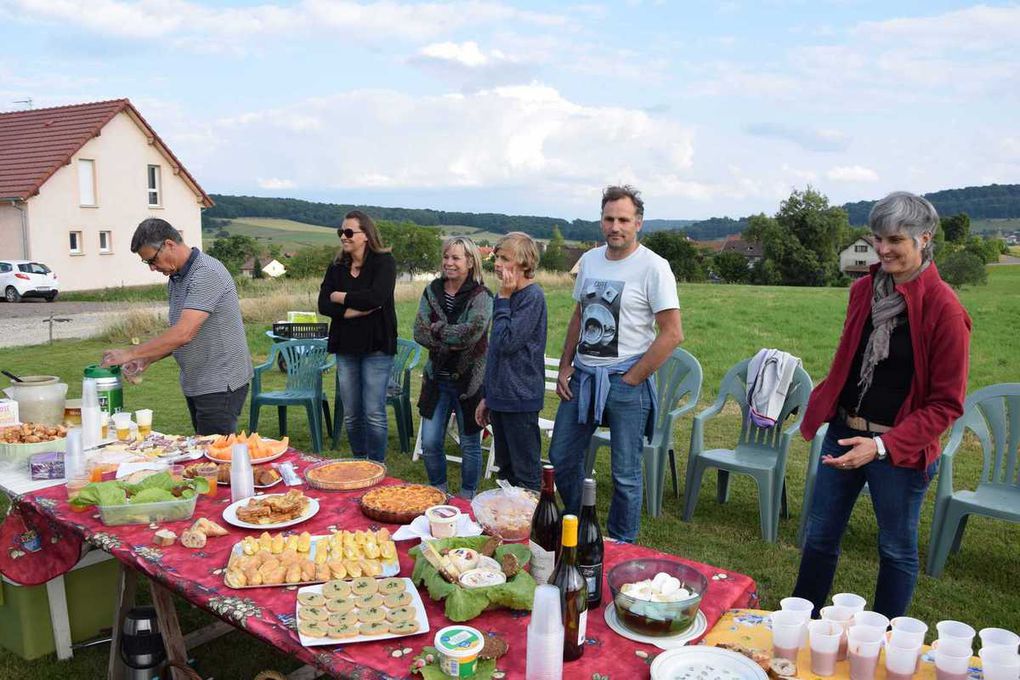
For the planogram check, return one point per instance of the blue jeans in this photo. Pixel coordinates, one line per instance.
(518, 447)
(362, 386)
(433, 442)
(626, 413)
(896, 494)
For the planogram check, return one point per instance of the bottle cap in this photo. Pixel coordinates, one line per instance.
(569, 531)
(588, 492)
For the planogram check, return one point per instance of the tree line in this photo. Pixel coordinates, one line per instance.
(985, 202)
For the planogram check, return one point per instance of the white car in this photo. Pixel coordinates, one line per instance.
(24, 278)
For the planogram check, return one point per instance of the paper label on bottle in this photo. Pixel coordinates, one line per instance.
(592, 574)
(582, 628)
(542, 563)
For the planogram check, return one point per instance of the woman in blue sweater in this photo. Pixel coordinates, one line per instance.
(514, 387)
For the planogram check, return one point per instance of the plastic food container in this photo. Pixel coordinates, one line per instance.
(146, 513)
(656, 619)
(443, 520)
(458, 648)
(506, 514)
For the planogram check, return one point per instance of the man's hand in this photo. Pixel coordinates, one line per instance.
(132, 370)
(482, 414)
(508, 281)
(563, 383)
(629, 381)
(116, 357)
(863, 452)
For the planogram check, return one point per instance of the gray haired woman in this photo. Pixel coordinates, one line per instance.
(897, 382)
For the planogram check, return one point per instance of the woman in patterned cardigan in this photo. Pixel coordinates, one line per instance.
(453, 325)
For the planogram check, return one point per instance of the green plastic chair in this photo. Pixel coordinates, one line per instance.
(809, 482)
(679, 377)
(398, 394)
(993, 415)
(760, 452)
(306, 360)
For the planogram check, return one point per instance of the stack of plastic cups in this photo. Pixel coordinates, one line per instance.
(843, 616)
(904, 648)
(242, 480)
(863, 646)
(545, 636)
(91, 423)
(871, 620)
(952, 657)
(825, 637)
(803, 608)
(855, 603)
(999, 637)
(999, 663)
(786, 630)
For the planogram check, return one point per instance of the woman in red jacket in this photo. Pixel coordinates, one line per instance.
(897, 382)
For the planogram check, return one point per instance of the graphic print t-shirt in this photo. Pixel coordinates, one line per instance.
(619, 300)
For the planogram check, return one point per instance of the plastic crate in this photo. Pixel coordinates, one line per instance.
(300, 331)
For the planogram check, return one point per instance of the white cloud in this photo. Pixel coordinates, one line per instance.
(276, 183)
(810, 138)
(465, 54)
(851, 173)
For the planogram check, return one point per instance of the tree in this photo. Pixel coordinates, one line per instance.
(256, 271)
(683, 257)
(553, 258)
(310, 262)
(416, 249)
(731, 267)
(962, 268)
(819, 227)
(956, 227)
(233, 251)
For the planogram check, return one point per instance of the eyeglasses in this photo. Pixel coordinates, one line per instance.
(148, 262)
(348, 233)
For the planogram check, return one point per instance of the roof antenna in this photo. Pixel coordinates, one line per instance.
(24, 101)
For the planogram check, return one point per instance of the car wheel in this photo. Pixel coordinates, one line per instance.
(51, 297)
(12, 294)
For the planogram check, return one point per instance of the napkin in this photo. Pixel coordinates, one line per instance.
(419, 528)
(127, 469)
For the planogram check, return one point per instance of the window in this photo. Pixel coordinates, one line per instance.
(860, 249)
(5, 268)
(86, 182)
(105, 242)
(154, 177)
(861, 263)
(34, 268)
(75, 243)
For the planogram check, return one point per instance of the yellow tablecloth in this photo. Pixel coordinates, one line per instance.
(750, 628)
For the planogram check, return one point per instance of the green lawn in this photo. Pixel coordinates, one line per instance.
(722, 324)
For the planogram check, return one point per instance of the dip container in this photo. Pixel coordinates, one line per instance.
(458, 648)
(443, 520)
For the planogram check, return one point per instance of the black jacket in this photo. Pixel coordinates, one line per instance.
(371, 290)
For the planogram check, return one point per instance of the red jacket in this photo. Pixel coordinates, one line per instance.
(940, 338)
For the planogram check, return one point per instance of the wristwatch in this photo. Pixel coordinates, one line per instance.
(882, 453)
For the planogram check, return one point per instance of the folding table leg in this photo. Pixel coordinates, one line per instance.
(57, 597)
(127, 586)
(169, 627)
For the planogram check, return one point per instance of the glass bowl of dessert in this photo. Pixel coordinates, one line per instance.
(657, 597)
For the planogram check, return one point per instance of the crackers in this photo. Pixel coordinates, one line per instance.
(362, 608)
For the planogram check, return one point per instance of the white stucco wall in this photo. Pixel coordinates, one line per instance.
(848, 257)
(11, 246)
(121, 154)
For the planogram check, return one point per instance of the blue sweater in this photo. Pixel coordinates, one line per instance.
(515, 364)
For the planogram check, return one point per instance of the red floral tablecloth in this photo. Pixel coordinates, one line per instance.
(269, 613)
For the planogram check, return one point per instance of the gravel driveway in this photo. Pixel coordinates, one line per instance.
(25, 323)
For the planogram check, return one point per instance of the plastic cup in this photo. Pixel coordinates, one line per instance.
(955, 630)
(950, 663)
(75, 485)
(786, 631)
(802, 607)
(999, 637)
(901, 661)
(953, 646)
(143, 418)
(999, 663)
(210, 472)
(851, 601)
(863, 645)
(824, 637)
(122, 423)
(842, 616)
(104, 425)
(908, 632)
(870, 619)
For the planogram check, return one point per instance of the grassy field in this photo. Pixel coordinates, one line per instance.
(723, 324)
(993, 225)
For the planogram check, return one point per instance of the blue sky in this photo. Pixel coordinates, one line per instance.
(711, 108)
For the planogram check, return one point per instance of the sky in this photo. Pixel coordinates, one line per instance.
(709, 108)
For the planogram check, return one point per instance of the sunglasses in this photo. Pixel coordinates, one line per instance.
(348, 233)
(148, 262)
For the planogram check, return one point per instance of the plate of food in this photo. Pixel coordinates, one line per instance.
(165, 446)
(344, 475)
(261, 449)
(698, 662)
(271, 511)
(362, 610)
(400, 504)
(265, 476)
(302, 559)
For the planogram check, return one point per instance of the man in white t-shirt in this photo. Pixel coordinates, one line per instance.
(612, 350)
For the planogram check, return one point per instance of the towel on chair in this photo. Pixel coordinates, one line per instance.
(769, 375)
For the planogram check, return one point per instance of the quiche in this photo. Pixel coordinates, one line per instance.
(400, 504)
(343, 475)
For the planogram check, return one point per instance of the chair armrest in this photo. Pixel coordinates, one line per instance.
(944, 488)
(330, 363)
(415, 358)
(815, 454)
(256, 379)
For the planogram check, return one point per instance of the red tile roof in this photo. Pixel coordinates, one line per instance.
(36, 143)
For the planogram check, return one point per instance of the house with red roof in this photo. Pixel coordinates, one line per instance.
(856, 259)
(76, 180)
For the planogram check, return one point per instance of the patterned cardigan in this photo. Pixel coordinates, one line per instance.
(458, 342)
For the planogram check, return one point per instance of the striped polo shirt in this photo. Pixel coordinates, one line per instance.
(217, 359)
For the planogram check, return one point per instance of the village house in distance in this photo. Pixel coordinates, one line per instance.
(76, 180)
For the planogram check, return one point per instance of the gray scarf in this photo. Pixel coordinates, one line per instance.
(886, 306)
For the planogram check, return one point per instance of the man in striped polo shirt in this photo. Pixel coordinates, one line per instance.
(206, 334)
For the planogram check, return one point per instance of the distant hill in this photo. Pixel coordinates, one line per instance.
(993, 201)
(665, 225)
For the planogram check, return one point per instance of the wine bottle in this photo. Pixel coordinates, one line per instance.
(545, 530)
(573, 592)
(589, 546)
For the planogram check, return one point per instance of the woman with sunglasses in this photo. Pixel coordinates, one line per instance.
(357, 294)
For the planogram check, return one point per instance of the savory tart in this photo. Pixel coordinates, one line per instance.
(344, 475)
(400, 504)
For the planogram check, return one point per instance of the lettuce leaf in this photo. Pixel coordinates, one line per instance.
(152, 496)
(464, 604)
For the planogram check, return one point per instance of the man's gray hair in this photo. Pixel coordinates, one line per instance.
(153, 232)
(904, 212)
